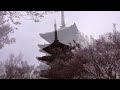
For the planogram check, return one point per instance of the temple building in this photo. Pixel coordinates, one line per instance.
(66, 35)
(59, 40)
(54, 49)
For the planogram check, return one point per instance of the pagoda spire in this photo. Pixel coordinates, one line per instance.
(55, 26)
(62, 19)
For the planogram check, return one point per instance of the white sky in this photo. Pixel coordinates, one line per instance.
(27, 36)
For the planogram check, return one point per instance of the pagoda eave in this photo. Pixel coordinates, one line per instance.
(56, 46)
(45, 58)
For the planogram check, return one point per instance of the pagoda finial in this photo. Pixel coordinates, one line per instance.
(62, 19)
(55, 26)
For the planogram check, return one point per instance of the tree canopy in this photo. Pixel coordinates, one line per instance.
(14, 16)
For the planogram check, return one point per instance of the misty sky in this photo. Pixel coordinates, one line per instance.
(27, 36)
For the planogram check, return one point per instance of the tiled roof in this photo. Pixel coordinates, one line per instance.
(65, 35)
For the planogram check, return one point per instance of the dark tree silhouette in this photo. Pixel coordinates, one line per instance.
(99, 60)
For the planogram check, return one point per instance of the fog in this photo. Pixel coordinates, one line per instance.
(27, 36)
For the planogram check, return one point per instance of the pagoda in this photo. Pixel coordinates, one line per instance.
(54, 49)
(66, 34)
(59, 40)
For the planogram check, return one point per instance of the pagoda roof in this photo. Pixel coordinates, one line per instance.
(43, 46)
(46, 58)
(65, 35)
(56, 44)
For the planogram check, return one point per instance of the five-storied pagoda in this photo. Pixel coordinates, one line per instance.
(59, 40)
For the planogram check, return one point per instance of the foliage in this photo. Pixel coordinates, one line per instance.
(15, 68)
(5, 30)
(15, 16)
(7, 18)
(99, 60)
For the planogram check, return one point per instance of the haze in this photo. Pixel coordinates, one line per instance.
(93, 23)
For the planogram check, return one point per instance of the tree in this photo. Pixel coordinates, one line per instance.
(16, 68)
(15, 16)
(6, 17)
(100, 60)
(5, 29)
